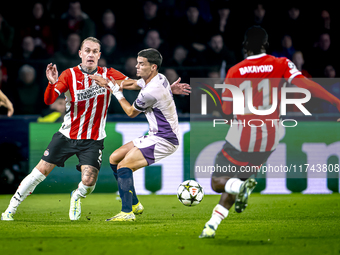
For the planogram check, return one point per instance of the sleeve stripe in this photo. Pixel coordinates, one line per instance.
(227, 99)
(293, 75)
(57, 91)
(138, 108)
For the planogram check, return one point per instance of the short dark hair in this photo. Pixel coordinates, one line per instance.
(152, 55)
(254, 38)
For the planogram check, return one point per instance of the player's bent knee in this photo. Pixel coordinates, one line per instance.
(117, 156)
(113, 159)
(217, 184)
(89, 175)
(44, 167)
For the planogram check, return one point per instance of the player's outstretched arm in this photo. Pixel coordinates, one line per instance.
(4, 101)
(178, 88)
(316, 90)
(117, 91)
(130, 84)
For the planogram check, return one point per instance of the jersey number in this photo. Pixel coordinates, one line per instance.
(264, 86)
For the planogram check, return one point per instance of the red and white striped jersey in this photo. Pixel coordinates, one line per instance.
(86, 102)
(260, 72)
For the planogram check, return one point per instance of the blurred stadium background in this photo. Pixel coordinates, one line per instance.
(200, 38)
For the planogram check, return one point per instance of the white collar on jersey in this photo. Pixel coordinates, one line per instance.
(91, 73)
(257, 56)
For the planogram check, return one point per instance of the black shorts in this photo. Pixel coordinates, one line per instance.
(234, 163)
(88, 151)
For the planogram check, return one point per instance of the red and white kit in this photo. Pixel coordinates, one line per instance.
(260, 72)
(86, 102)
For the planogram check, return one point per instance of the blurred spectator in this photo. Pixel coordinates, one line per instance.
(322, 55)
(180, 60)
(215, 73)
(150, 19)
(326, 24)
(55, 112)
(171, 74)
(110, 51)
(39, 26)
(294, 24)
(153, 40)
(192, 29)
(6, 37)
(107, 24)
(329, 72)
(222, 23)
(326, 20)
(3, 72)
(259, 16)
(287, 49)
(130, 68)
(75, 21)
(29, 50)
(180, 56)
(299, 62)
(217, 55)
(68, 57)
(28, 97)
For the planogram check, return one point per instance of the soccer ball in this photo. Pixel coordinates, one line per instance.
(190, 193)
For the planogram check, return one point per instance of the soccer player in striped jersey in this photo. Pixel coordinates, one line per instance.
(156, 101)
(250, 145)
(83, 130)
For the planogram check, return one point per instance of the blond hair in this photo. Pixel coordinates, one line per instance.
(92, 39)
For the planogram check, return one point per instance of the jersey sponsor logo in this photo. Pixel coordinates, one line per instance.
(89, 93)
(256, 69)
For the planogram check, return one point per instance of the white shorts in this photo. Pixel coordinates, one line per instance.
(154, 148)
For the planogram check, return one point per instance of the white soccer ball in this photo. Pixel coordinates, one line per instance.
(190, 193)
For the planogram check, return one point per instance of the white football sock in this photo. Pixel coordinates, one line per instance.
(233, 186)
(25, 188)
(82, 191)
(219, 213)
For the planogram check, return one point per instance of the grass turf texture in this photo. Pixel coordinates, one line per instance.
(272, 224)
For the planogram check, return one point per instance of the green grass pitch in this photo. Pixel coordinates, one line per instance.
(272, 224)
